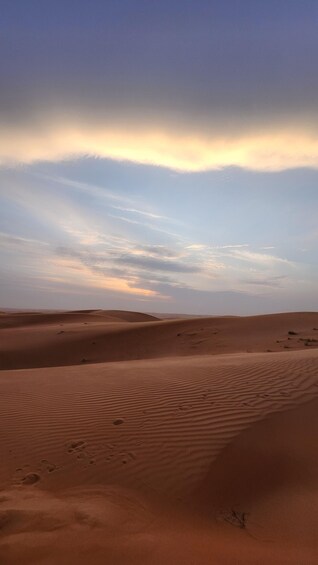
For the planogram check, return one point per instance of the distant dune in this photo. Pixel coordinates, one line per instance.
(96, 336)
(127, 439)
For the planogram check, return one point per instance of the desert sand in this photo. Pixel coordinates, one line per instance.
(130, 439)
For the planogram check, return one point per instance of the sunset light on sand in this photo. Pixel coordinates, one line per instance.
(158, 282)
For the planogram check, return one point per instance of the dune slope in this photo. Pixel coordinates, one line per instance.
(185, 459)
(70, 338)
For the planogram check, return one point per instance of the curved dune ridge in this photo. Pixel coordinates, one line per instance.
(97, 336)
(23, 319)
(191, 458)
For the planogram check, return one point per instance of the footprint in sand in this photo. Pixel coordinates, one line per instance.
(79, 448)
(76, 446)
(24, 476)
(47, 466)
(234, 518)
(126, 457)
(110, 451)
(31, 479)
(28, 475)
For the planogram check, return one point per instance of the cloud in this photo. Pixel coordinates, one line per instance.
(152, 263)
(113, 261)
(15, 241)
(211, 86)
(152, 226)
(151, 250)
(234, 246)
(272, 149)
(73, 270)
(141, 212)
(91, 189)
(270, 282)
(196, 246)
(258, 258)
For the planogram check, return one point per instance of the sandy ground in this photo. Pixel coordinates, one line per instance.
(126, 439)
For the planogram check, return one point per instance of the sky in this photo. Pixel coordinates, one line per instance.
(159, 156)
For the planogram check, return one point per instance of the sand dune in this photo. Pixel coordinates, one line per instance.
(23, 319)
(187, 455)
(70, 338)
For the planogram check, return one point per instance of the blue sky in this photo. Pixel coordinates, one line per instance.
(159, 156)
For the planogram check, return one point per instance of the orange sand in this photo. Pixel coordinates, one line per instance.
(131, 440)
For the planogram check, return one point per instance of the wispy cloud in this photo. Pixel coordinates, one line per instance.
(141, 212)
(8, 241)
(196, 246)
(91, 189)
(73, 270)
(267, 282)
(234, 246)
(152, 227)
(258, 258)
(152, 263)
(127, 248)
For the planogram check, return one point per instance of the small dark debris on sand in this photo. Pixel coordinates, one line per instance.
(118, 421)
